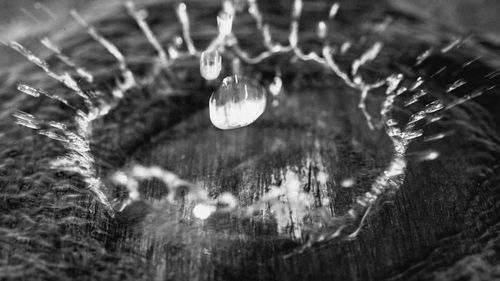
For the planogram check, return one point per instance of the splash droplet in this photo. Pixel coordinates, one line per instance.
(322, 30)
(348, 182)
(236, 103)
(225, 23)
(210, 65)
(275, 86)
(428, 155)
(203, 211)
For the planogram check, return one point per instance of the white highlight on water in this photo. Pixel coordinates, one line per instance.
(80, 70)
(367, 56)
(128, 77)
(140, 18)
(186, 30)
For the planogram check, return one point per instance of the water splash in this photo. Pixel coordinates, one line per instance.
(81, 160)
(64, 78)
(348, 183)
(186, 30)
(367, 56)
(422, 57)
(417, 84)
(140, 18)
(455, 85)
(414, 98)
(428, 155)
(453, 44)
(45, 9)
(80, 70)
(438, 136)
(128, 77)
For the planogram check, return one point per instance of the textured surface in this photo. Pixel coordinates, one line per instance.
(443, 224)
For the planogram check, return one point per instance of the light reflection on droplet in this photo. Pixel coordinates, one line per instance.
(236, 103)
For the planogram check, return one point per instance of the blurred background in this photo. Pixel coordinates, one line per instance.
(22, 18)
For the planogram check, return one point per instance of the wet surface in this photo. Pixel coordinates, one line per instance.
(313, 142)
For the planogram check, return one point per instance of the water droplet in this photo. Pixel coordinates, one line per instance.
(391, 122)
(28, 90)
(428, 155)
(414, 98)
(322, 30)
(236, 103)
(349, 182)
(455, 85)
(203, 211)
(210, 65)
(178, 41)
(412, 134)
(228, 7)
(438, 136)
(393, 82)
(433, 107)
(416, 117)
(401, 90)
(421, 58)
(275, 86)
(333, 10)
(173, 53)
(225, 23)
(451, 45)
(417, 84)
(393, 131)
(345, 47)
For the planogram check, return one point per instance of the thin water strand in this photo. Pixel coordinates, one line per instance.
(129, 80)
(80, 70)
(140, 18)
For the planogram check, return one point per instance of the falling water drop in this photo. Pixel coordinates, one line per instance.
(225, 23)
(210, 64)
(203, 211)
(173, 53)
(333, 10)
(428, 155)
(345, 47)
(416, 117)
(455, 85)
(322, 30)
(275, 86)
(236, 103)
(433, 107)
(348, 182)
(417, 84)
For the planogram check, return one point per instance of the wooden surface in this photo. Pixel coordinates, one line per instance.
(442, 224)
